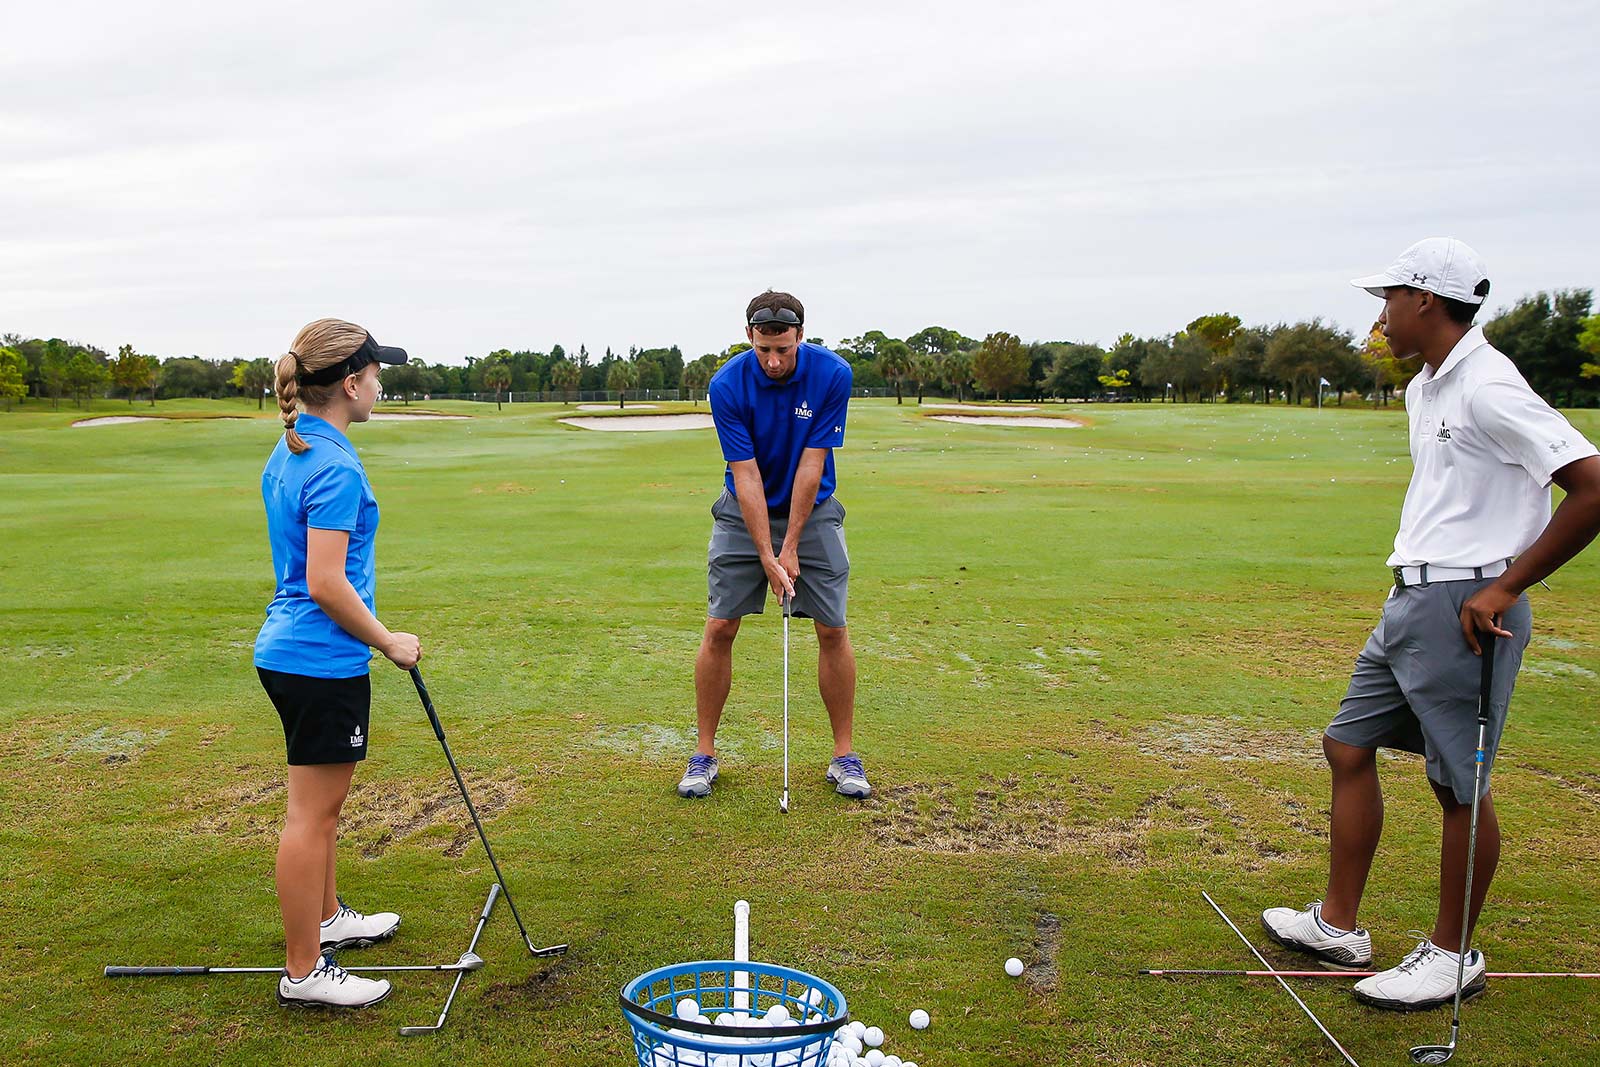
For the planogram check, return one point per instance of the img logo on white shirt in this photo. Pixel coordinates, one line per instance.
(804, 410)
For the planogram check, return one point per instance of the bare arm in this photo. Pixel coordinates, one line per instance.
(802, 500)
(333, 593)
(1574, 525)
(752, 494)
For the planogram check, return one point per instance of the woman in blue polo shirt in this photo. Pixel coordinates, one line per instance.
(312, 653)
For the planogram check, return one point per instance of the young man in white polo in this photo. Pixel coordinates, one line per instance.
(1476, 531)
(780, 410)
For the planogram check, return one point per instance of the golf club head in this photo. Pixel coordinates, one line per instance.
(1432, 1053)
(469, 961)
(783, 802)
(413, 1031)
(548, 950)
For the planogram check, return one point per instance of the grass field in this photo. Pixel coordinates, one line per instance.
(1094, 664)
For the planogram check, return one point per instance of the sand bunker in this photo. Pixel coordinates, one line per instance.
(982, 407)
(118, 420)
(608, 407)
(419, 416)
(644, 422)
(974, 420)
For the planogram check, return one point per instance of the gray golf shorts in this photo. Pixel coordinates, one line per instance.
(1415, 686)
(738, 585)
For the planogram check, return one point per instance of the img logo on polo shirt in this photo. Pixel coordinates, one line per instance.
(804, 410)
(1443, 434)
(356, 739)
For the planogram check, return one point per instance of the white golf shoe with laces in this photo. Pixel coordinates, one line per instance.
(1425, 979)
(1305, 931)
(330, 986)
(349, 928)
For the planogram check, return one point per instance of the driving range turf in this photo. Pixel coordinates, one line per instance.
(1094, 666)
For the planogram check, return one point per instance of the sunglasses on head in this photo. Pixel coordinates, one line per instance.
(771, 316)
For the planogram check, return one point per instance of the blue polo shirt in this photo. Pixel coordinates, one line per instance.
(774, 422)
(327, 488)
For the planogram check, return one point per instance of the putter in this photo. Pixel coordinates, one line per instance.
(1351, 1060)
(488, 906)
(783, 802)
(1442, 1053)
(438, 730)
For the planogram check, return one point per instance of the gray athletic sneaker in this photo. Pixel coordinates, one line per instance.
(696, 781)
(849, 776)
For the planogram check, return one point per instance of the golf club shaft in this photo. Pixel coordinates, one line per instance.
(1309, 1013)
(786, 608)
(483, 917)
(1220, 972)
(1486, 643)
(170, 972)
(438, 730)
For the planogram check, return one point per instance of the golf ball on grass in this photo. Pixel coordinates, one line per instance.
(919, 1020)
(1014, 967)
(873, 1037)
(874, 1057)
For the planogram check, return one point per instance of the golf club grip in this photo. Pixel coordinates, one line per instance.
(1486, 642)
(427, 704)
(151, 972)
(488, 905)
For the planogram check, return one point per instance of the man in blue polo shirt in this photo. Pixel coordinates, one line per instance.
(780, 409)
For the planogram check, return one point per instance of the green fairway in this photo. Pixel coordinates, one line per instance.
(1094, 665)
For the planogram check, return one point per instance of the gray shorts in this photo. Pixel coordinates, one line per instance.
(1415, 685)
(737, 583)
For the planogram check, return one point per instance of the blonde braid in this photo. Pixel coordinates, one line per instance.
(288, 389)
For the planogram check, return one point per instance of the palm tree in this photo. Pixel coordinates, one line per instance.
(497, 376)
(621, 377)
(924, 370)
(695, 377)
(565, 375)
(958, 371)
(894, 363)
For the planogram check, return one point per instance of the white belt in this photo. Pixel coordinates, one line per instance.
(1427, 575)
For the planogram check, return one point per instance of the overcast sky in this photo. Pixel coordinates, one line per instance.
(205, 178)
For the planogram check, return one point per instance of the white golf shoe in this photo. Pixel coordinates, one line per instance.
(330, 986)
(1304, 931)
(349, 928)
(1425, 979)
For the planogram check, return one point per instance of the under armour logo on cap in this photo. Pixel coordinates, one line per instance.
(1443, 266)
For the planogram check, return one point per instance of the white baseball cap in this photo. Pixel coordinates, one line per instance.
(1441, 265)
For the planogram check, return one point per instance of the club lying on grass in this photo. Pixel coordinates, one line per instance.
(1311, 1014)
(483, 917)
(1222, 972)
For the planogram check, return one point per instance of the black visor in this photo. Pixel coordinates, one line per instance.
(369, 352)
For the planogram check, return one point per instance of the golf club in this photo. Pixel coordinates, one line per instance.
(783, 802)
(469, 961)
(438, 730)
(1219, 972)
(1312, 1015)
(741, 954)
(1442, 1053)
(483, 917)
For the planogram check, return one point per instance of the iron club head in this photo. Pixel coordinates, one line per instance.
(783, 802)
(413, 1031)
(1432, 1053)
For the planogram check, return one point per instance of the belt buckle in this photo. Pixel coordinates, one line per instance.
(1399, 577)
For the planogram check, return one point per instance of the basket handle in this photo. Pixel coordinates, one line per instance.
(671, 1022)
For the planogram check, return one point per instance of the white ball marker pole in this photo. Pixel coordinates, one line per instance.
(741, 954)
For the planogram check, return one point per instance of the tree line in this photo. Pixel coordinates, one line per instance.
(1554, 338)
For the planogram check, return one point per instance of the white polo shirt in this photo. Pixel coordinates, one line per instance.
(1483, 446)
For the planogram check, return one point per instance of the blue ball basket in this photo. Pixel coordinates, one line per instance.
(662, 1040)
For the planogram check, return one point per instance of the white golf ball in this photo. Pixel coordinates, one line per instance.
(892, 1061)
(874, 1057)
(858, 1028)
(814, 997)
(919, 1020)
(873, 1037)
(777, 1015)
(1014, 967)
(688, 1009)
